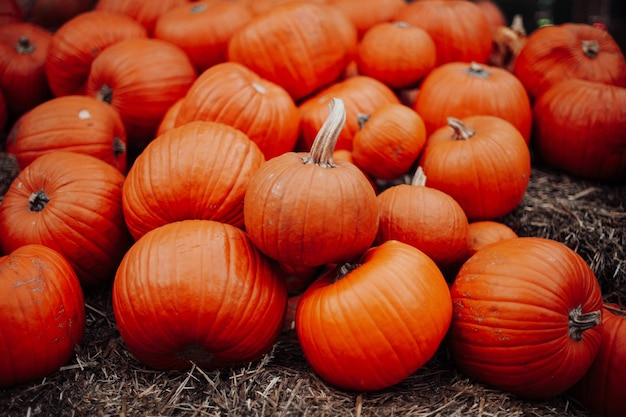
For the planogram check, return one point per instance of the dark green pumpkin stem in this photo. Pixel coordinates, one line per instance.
(37, 201)
(461, 131)
(324, 144)
(579, 322)
(591, 48)
(24, 46)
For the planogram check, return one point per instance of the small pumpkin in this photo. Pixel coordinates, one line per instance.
(79, 41)
(145, 12)
(232, 94)
(526, 317)
(601, 390)
(72, 203)
(368, 325)
(364, 17)
(208, 167)
(72, 123)
(197, 291)
(570, 50)
(42, 314)
(389, 142)
(481, 161)
(580, 128)
(382, 54)
(459, 89)
(298, 202)
(484, 232)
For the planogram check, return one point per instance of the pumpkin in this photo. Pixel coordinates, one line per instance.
(42, 314)
(601, 389)
(232, 94)
(207, 167)
(197, 291)
(10, 12)
(298, 202)
(72, 203)
(294, 45)
(389, 142)
(365, 16)
(459, 28)
(23, 50)
(494, 14)
(569, 50)
(508, 41)
(145, 12)
(8, 172)
(72, 123)
(202, 29)
(580, 128)
(484, 232)
(141, 90)
(360, 94)
(392, 65)
(526, 317)
(427, 219)
(168, 121)
(481, 161)
(78, 42)
(459, 89)
(367, 326)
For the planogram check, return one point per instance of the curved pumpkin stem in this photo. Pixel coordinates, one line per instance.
(579, 322)
(324, 144)
(419, 179)
(591, 48)
(37, 201)
(461, 131)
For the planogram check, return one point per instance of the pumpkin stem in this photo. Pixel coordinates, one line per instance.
(579, 322)
(23, 46)
(119, 147)
(477, 70)
(591, 48)
(38, 200)
(105, 94)
(461, 131)
(197, 8)
(345, 269)
(362, 118)
(324, 144)
(517, 25)
(419, 179)
(258, 87)
(401, 24)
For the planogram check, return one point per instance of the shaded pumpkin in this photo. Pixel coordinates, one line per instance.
(72, 203)
(197, 291)
(42, 314)
(168, 122)
(50, 14)
(366, 15)
(369, 346)
(70, 123)
(486, 232)
(526, 317)
(481, 161)
(208, 167)
(79, 41)
(145, 12)
(10, 12)
(232, 94)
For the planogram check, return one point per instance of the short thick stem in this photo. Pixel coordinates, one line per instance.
(24, 46)
(105, 94)
(579, 322)
(419, 179)
(344, 270)
(38, 200)
(477, 70)
(461, 131)
(591, 48)
(324, 144)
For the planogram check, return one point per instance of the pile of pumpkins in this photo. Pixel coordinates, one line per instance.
(233, 168)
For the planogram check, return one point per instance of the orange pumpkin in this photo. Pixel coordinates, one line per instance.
(485, 232)
(365, 15)
(145, 12)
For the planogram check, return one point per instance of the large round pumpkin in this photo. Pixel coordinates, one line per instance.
(580, 128)
(526, 317)
(197, 291)
(367, 326)
(200, 170)
(42, 314)
(72, 203)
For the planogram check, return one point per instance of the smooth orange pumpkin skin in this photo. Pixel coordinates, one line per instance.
(389, 142)
(204, 176)
(72, 123)
(601, 389)
(373, 327)
(580, 128)
(510, 328)
(83, 219)
(76, 44)
(198, 291)
(145, 12)
(486, 174)
(366, 15)
(232, 94)
(42, 314)
(460, 89)
(554, 53)
(168, 122)
(459, 28)
(361, 94)
(293, 210)
(294, 45)
(485, 232)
